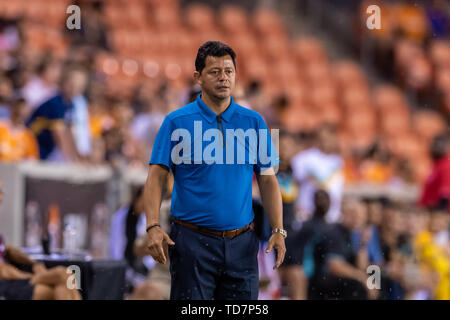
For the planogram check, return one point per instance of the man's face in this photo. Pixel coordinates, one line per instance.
(75, 84)
(354, 214)
(218, 77)
(326, 140)
(439, 221)
(19, 111)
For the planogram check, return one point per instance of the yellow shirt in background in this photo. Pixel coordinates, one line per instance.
(433, 257)
(17, 144)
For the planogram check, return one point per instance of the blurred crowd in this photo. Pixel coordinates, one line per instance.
(123, 71)
(97, 96)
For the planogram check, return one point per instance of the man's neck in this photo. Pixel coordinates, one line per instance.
(216, 105)
(16, 123)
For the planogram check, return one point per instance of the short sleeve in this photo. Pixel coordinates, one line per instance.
(49, 115)
(54, 111)
(267, 156)
(161, 151)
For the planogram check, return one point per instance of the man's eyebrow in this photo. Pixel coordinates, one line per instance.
(218, 68)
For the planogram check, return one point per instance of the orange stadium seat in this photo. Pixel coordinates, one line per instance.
(324, 93)
(166, 18)
(443, 80)
(352, 98)
(407, 145)
(308, 49)
(346, 72)
(233, 19)
(199, 17)
(389, 98)
(267, 22)
(361, 120)
(439, 53)
(394, 123)
(316, 72)
(275, 48)
(428, 124)
(329, 113)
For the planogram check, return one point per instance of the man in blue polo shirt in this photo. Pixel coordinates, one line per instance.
(213, 146)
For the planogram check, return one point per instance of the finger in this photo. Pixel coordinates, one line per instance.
(161, 255)
(168, 240)
(269, 247)
(154, 252)
(280, 258)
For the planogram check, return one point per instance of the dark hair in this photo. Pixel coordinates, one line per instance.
(71, 68)
(214, 49)
(321, 203)
(438, 147)
(17, 102)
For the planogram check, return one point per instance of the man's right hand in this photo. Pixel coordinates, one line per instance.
(157, 244)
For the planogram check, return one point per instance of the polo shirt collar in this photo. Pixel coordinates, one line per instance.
(210, 115)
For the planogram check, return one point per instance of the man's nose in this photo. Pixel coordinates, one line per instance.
(223, 75)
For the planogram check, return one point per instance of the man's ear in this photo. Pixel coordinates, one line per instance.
(197, 77)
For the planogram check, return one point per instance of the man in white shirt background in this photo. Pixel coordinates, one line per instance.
(320, 167)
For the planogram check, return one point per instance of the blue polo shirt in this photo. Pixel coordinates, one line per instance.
(213, 159)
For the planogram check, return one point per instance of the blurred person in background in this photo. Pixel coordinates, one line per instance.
(40, 284)
(17, 142)
(61, 124)
(157, 284)
(432, 249)
(320, 167)
(299, 263)
(419, 282)
(127, 224)
(275, 114)
(240, 96)
(437, 185)
(145, 126)
(439, 226)
(289, 275)
(6, 91)
(339, 261)
(94, 31)
(393, 242)
(375, 166)
(43, 85)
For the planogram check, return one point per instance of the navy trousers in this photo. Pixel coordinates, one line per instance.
(206, 267)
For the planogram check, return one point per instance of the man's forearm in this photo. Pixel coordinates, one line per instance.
(153, 194)
(17, 256)
(271, 199)
(66, 143)
(340, 268)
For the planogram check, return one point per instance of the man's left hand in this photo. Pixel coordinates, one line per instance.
(277, 241)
